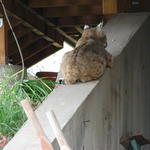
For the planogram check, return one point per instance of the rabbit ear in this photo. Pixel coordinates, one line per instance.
(1, 22)
(100, 25)
(86, 27)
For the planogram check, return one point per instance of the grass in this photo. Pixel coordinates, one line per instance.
(12, 91)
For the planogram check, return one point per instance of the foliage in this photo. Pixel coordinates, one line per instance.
(12, 91)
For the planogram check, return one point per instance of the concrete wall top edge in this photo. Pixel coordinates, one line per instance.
(121, 28)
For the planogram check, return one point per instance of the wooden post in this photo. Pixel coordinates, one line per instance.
(110, 7)
(2, 43)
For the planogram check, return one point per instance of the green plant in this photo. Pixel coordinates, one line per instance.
(12, 91)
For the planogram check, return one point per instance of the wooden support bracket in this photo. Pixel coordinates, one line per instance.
(2, 43)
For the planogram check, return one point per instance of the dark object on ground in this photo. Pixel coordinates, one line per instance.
(134, 141)
(47, 75)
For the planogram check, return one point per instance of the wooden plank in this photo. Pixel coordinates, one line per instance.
(145, 5)
(24, 42)
(70, 43)
(40, 56)
(30, 51)
(79, 29)
(140, 5)
(20, 31)
(73, 11)
(32, 20)
(78, 20)
(36, 22)
(2, 43)
(134, 6)
(110, 7)
(59, 3)
(71, 30)
(1, 15)
(124, 5)
(14, 22)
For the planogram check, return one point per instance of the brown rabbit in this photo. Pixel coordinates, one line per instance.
(89, 58)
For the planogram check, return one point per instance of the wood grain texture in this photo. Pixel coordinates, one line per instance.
(2, 45)
(59, 3)
(78, 20)
(73, 11)
(31, 50)
(39, 56)
(24, 42)
(110, 7)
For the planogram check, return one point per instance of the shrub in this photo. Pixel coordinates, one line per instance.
(12, 91)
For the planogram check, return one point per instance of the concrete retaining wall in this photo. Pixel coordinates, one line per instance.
(96, 114)
(120, 103)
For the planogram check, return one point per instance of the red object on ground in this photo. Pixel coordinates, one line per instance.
(3, 140)
(47, 75)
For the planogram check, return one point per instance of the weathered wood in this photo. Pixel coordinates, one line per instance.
(32, 20)
(70, 30)
(37, 23)
(79, 29)
(60, 3)
(2, 43)
(73, 11)
(145, 5)
(39, 56)
(110, 6)
(24, 41)
(30, 51)
(20, 31)
(70, 43)
(81, 21)
(139, 5)
(45, 144)
(14, 22)
(124, 5)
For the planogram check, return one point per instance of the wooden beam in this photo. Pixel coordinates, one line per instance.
(24, 42)
(70, 30)
(40, 56)
(14, 22)
(2, 42)
(20, 31)
(79, 29)
(70, 43)
(73, 11)
(110, 7)
(60, 3)
(32, 20)
(30, 51)
(40, 25)
(80, 21)
(145, 5)
(124, 5)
